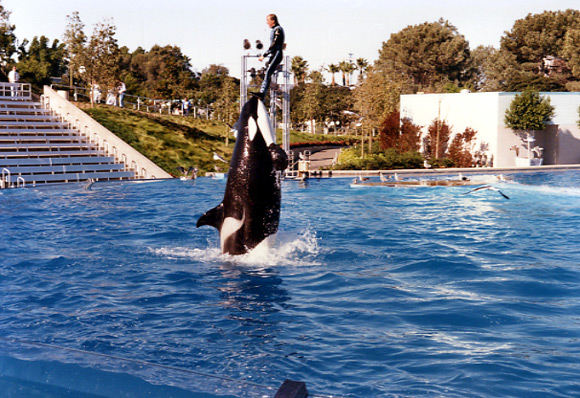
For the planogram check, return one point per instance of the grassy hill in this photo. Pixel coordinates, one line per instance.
(173, 141)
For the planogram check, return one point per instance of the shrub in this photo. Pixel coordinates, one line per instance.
(390, 159)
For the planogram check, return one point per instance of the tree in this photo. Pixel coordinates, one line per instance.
(165, 72)
(390, 131)
(346, 67)
(402, 135)
(311, 107)
(436, 142)
(38, 63)
(425, 56)
(103, 56)
(570, 51)
(461, 147)
(333, 68)
(299, 68)
(74, 40)
(7, 39)
(409, 140)
(226, 106)
(539, 35)
(528, 112)
(362, 65)
(545, 49)
(376, 97)
(334, 100)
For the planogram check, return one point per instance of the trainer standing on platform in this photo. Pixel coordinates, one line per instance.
(274, 52)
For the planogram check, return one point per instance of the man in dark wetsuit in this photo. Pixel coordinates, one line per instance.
(274, 52)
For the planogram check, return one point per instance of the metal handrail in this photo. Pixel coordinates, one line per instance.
(15, 91)
(7, 180)
(78, 125)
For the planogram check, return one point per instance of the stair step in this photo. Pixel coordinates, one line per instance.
(21, 102)
(20, 118)
(35, 138)
(74, 168)
(27, 125)
(49, 154)
(23, 111)
(76, 177)
(20, 132)
(48, 161)
(39, 146)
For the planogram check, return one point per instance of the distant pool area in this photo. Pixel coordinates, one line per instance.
(369, 292)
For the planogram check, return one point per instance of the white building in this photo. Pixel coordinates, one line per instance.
(485, 112)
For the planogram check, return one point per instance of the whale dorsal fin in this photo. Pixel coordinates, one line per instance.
(213, 217)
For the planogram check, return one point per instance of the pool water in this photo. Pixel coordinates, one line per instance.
(368, 292)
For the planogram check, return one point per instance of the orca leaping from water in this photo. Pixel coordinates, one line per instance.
(250, 211)
(488, 187)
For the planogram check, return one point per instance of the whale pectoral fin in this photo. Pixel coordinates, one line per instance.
(213, 217)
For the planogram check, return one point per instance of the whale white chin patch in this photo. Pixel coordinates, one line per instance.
(230, 226)
(264, 124)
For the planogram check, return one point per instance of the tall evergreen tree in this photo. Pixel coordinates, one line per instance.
(529, 112)
(75, 40)
(39, 61)
(7, 39)
(103, 57)
(425, 56)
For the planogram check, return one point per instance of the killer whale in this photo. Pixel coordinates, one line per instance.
(250, 211)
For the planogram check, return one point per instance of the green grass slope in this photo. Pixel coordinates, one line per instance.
(169, 141)
(177, 141)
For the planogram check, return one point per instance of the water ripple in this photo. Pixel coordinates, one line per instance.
(367, 292)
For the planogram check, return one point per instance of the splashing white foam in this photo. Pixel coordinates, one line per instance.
(546, 189)
(290, 249)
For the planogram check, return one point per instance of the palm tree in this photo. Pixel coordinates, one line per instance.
(333, 68)
(343, 67)
(299, 68)
(362, 65)
(346, 67)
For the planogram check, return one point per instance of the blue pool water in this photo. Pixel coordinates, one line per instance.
(369, 292)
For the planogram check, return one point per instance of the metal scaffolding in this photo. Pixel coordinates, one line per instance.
(279, 95)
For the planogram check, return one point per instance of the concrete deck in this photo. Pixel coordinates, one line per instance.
(441, 172)
(325, 157)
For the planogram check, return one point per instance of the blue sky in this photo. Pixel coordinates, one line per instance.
(322, 32)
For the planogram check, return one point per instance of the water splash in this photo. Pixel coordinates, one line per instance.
(546, 189)
(290, 249)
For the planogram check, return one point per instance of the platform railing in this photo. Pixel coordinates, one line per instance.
(135, 102)
(15, 91)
